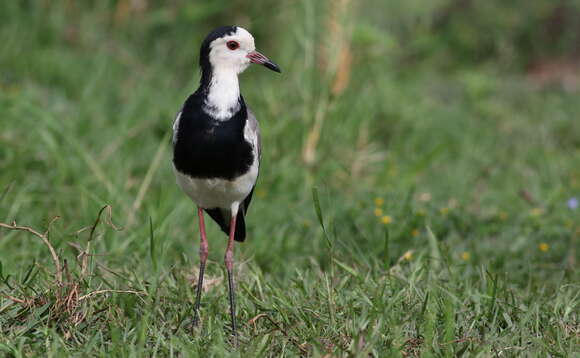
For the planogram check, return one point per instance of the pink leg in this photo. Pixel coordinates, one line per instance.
(229, 261)
(203, 252)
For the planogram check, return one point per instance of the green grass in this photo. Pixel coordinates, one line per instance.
(474, 166)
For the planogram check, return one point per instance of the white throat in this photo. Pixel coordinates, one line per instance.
(223, 94)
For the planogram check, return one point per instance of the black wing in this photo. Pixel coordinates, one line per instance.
(221, 217)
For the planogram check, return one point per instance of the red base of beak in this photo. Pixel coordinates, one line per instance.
(256, 57)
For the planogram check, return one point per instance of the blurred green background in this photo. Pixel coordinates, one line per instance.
(446, 128)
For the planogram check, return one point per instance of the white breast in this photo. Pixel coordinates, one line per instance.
(219, 193)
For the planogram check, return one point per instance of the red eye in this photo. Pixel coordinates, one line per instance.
(233, 45)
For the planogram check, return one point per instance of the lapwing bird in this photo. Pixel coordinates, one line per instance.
(216, 145)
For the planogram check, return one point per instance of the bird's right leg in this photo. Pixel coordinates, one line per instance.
(203, 252)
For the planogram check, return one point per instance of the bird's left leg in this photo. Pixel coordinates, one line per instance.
(203, 252)
(229, 261)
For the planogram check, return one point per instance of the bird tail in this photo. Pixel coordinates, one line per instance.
(224, 222)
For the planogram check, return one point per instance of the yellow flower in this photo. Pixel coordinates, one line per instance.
(415, 232)
(536, 212)
(379, 201)
(444, 211)
(543, 247)
(503, 215)
(386, 219)
(465, 256)
(378, 211)
(408, 255)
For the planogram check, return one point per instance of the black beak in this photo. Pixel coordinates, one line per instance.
(271, 65)
(256, 57)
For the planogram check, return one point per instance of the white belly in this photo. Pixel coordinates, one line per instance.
(218, 193)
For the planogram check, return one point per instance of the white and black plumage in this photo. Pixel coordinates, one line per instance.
(216, 142)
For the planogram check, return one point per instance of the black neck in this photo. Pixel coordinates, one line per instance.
(205, 80)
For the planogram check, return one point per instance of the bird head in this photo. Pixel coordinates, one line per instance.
(231, 47)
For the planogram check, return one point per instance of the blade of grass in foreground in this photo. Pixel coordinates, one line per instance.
(318, 210)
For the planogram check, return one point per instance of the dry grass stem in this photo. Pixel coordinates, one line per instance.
(155, 163)
(309, 151)
(90, 294)
(44, 239)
